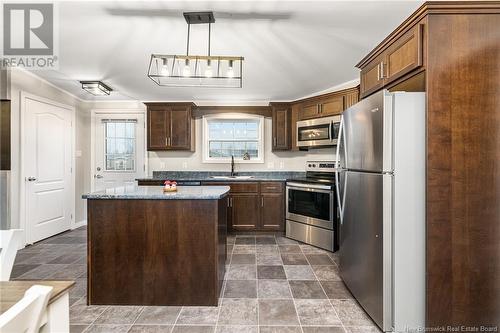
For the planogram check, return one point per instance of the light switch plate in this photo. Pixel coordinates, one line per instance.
(270, 165)
(184, 165)
(162, 165)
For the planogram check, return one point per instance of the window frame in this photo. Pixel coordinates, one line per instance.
(235, 116)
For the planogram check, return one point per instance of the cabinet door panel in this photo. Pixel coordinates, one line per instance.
(308, 111)
(245, 212)
(157, 129)
(272, 211)
(371, 80)
(404, 55)
(281, 128)
(332, 106)
(180, 128)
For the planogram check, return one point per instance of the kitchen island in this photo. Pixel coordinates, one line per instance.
(146, 247)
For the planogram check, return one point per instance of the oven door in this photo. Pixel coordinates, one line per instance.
(310, 203)
(318, 132)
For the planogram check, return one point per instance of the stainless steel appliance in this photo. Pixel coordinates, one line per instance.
(311, 214)
(381, 194)
(320, 132)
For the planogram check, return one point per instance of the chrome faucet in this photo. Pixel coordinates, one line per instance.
(232, 166)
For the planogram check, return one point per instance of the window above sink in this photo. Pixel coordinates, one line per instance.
(238, 135)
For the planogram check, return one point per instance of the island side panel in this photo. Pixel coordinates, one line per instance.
(153, 252)
(222, 241)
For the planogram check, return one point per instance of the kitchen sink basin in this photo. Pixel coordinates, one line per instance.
(231, 177)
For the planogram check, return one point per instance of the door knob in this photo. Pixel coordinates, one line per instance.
(98, 176)
(31, 179)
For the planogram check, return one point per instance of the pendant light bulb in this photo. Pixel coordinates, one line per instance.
(208, 71)
(230, 70)
(164, 68)
(187, 69)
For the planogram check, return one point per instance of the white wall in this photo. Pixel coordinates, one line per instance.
(292, 161)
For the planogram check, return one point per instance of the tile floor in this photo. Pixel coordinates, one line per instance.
(273, 285)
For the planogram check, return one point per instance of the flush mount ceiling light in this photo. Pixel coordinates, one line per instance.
(96, 88)
(196, 71)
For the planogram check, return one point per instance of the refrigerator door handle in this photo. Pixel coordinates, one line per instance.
(337, 170)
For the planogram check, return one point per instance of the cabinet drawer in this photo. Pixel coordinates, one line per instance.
(404, 55)
(244, 187)
(271, 187)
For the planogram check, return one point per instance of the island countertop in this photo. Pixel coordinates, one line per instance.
(134, 192)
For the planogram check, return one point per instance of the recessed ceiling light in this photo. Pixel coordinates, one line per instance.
(96, 88)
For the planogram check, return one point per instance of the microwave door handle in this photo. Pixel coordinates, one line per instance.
(330, 131)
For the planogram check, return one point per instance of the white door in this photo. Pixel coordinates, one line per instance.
(48, 159)
(119, 150)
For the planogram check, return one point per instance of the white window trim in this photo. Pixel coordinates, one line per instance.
(260, 145)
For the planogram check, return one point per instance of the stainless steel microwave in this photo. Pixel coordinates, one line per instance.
(315, 133)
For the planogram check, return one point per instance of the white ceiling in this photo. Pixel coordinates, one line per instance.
(291, 49)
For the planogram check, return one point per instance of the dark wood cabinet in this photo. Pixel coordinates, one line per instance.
(255, 206)
(5, 135)
(370, 77)
(309, 110)
(245, 211)
(332, 106)
(281, 126)
(404, 55)
(272, 211)
(397, 59)
(181, 128)
(170, 126)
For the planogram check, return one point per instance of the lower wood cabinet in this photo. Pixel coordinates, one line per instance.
(272, 211)
(255, 206)
(244, 211)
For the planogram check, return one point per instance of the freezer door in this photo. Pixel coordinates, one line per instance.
(363, 266)
(367, 130)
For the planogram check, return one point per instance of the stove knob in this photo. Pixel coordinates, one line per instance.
(309, 165)
(314, 165)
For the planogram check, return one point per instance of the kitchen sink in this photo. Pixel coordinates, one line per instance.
(231, 177)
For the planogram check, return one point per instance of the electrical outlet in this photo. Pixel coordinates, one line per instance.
(162, 165)
(270, 165)
(282, 165)
(184, 165)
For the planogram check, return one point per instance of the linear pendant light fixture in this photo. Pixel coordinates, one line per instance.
(193, 70)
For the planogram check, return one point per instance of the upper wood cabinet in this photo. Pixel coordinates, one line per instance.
(322, 107)
(281, 124)
(309, 110)
(332, 106)
(404, 55)
(170, 126)
(370, 77)
(393, 60)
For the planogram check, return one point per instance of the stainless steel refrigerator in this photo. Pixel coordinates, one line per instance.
(380, 183)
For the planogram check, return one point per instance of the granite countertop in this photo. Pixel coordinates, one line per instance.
(205, 176)
(156, 193)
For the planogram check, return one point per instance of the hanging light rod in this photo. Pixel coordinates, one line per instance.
(196, 70)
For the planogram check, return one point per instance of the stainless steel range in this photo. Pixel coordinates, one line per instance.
(311, 208)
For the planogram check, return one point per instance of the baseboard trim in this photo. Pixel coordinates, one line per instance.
(79, 224)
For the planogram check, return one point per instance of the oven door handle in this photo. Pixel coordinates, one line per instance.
(309, 188)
